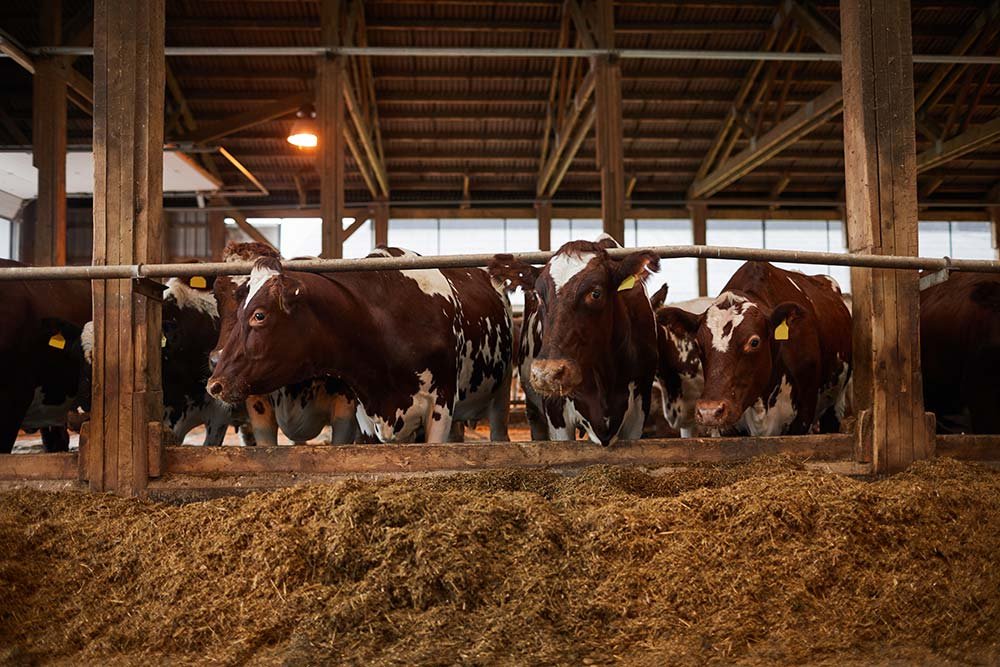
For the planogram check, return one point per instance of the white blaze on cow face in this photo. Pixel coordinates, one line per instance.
(724, 316)
(258, 277)
(564, 266)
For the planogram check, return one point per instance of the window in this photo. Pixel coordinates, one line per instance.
(965, 240)
(6, 239)
(680, 274)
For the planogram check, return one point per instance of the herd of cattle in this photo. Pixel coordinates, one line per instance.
(413, 355)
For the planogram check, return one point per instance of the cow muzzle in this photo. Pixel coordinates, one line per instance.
(227, 392)
(555, 377)
(716, 414)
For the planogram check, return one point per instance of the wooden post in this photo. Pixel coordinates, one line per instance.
(128, 195)
(330, 79)
(49, 143)
(881, 180)
(699, 228)
(543, 209)
(216, 234)
(381, 221)
(994, 212)
(610, 153)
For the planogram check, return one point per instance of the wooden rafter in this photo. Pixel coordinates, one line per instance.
(822, 31)
(251, 117)
(567, 136)
(364, 135)
(952, 149)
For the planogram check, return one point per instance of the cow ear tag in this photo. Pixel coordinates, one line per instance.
(57, 342)
(198, 282)
(163, 340)
(781, 331)
(628, 283)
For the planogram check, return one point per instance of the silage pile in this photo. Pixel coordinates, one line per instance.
(761, 562)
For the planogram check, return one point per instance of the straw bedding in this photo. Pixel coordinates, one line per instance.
(758, 563)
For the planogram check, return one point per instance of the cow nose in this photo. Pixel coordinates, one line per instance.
(712, 413)
(215, 389)
(555, 377)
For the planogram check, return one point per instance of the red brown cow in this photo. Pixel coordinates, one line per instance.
(960, 352)
(419, 348)
(29, 310)
(775, 349)
(587, 354)
(679, 375)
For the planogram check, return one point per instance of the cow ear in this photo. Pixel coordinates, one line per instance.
(290, 292)
(508, 273)
(59, 334)
(659, 297)
(678, 321)
(634, 268)
(606, 241)
(783, 317)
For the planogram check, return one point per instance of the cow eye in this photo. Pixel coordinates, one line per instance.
(754, 342)
(595, 293)
(259, 316)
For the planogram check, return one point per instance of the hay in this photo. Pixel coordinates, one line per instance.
(763, 562)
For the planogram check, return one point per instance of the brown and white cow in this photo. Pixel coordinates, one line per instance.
(679, 376)
(35, 390)
(300, 410)
(419, 348)
(775, 350)
(960, 352)
(587, 354)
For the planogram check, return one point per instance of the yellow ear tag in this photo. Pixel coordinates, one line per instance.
(628, 283)
(198, 282)
(781, 331)
(163, 340)
(57, 342)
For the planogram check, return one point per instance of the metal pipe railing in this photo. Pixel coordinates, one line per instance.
(486, 52)
(412, 262)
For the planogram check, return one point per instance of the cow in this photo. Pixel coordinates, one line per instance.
(679, 376)
(418, 348)
(302, 409)
(960, 352)
(775, 348)
(33, 337)
(588, 350)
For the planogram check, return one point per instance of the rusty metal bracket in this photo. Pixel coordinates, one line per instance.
(937, 277)
(148, 288)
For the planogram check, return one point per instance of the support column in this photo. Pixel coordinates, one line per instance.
(994, 212)
(49, 144)
(381, 223)
(330, 77)
(610, 153)
(216, 234)
(881, 180)
(699, 227)
(128, 229)
(543, 209)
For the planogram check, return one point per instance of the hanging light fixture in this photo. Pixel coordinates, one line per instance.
(304, 133)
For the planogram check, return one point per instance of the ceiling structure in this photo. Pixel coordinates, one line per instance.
(472, 130)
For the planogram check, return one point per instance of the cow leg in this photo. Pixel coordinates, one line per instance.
(55, 438)
(14, 404)
(438, 424)
(500, 412)
(262, 419)
(537, 422)
(247, 438)
(343, 421)
(457, 433)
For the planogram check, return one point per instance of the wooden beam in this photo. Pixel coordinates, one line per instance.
(783, 135)
(573, 147)
(580, 22)
(543, 211)
(381, 223)
(365, 137)
(970, 140)
(822, 31)
(216, 234)
(566, 131)
(301, 190)
(880, 151)
(699, 230)
(49, 144)
(128, 191)
(987, 16)
(251, 117)
(245, 226)
(24, 467)
(331, 89)
(609, 143)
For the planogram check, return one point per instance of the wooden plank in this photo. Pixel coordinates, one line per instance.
(566, 131)
(543, 210)
(572, 148)
(880, 163)
(802, 122)
(969, 447)
(365, 137)
(128, 143)
(250, 117)
(61, 465)
(824, 33)
(216, 234)
(374, 459)
(331, 80)
(49, 157)
(972, 139)
(699, 230)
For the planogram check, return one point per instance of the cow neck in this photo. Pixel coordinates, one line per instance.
(361, 357)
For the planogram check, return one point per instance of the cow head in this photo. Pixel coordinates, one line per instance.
(581, 292)
(740, 341)
(679, 366)
(266, 316)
